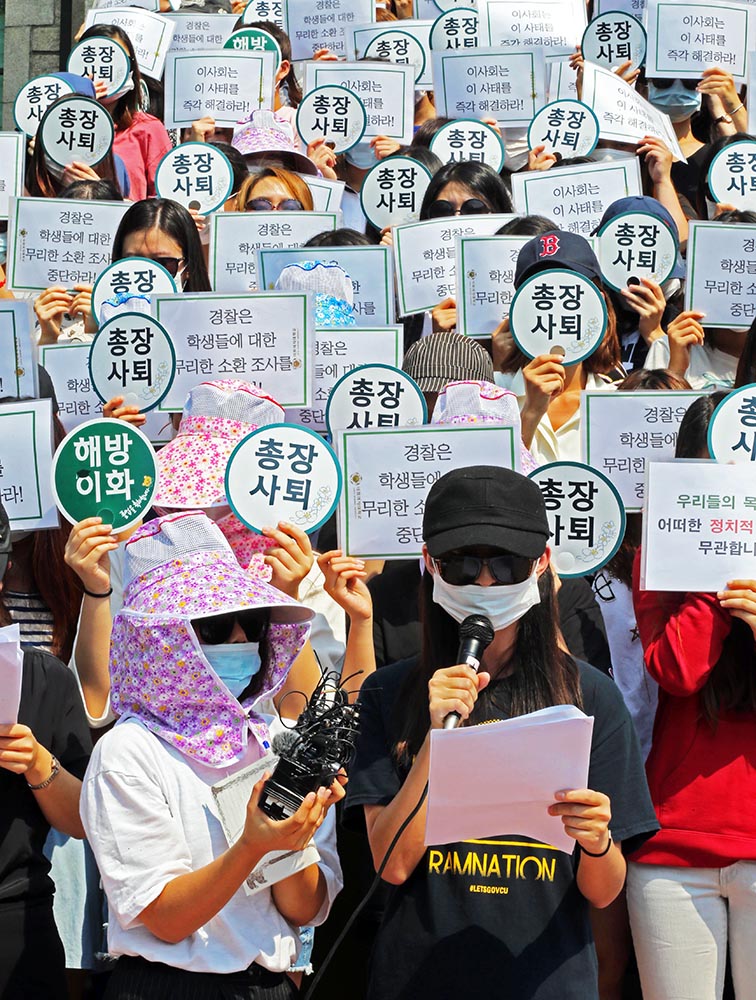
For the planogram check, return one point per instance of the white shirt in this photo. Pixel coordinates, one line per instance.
(708, 367)
(150, 816)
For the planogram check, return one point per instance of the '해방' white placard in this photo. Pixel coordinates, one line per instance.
(388, 473)
(56, 241)
(265, 338)
(636, 245)
(34, 98)
(614, 38)
(375, 395)
(132, 356)
(485, 281)
(332, 113)
(732, 428)
(18, 360)
(567, 127)
(151, 34)
(254, 40)
(685, 39)
(455, 29)
(508, 85)
(102, 60)
(621, 432)
(12, 154)
(311, 28)
(407, 43)
(283, 473)
(130, 276)
(555, 25)
(228, 86)
(425, 259)
(236, 236)
(586, 516)
(732, 175)
(370, 268)
(720, 273)
(196, 175)
(468, 139)
(197, 31)
(699, 526)
(338, 351)
(387, 90)
(76, 129)
(393, 190)
(576, 197)
(25, 492)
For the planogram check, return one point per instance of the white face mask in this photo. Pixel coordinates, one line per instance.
(235, 663)
(125, 89)
(502, 605)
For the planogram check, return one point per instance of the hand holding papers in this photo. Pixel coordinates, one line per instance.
(11, 670)
(502, 777)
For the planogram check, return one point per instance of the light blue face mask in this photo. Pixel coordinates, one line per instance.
(676, 101)
(361, 156)
(235, 663)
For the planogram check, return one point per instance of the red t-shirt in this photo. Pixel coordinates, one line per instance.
(141, 147)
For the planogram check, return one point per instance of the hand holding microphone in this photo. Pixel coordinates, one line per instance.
(454, 690)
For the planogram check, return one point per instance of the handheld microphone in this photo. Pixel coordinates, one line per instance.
(475, 636)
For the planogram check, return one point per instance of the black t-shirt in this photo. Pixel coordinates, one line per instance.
(51, 707)
(501, 917)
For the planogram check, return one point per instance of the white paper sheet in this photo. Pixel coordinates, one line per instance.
(502, 777)
(11, 669)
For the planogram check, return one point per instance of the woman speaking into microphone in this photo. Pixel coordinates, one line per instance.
(506, 916)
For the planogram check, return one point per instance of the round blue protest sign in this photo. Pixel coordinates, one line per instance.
(132, 356)
(614, 38)
(196, 175)
(76, 129)
(393, 190)
(375, 396)
(732, 428)
(635, 245)
(34, 98)
(332, 113)
(283, 472)
(130, 276)
(397, 46)
(468, 139)
(455, 29)
(558, 308)
(732, 175)
(567, 127)
(102, 60)
(586, 516)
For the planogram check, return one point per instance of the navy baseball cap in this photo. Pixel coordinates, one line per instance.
(648, 206)
(557, 249)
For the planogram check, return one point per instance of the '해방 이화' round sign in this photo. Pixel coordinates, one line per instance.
(105, 468)
(196, 175)
(558, 308)
(586, 516)
(455, 29)
(636, 245)
(102, 60)
(468, 139)
(254, 40)
(732, 428)
(732, 175)
(397, 46)
(34, 98)
(334, 114)
(130, 276)
(393, 191)
(375, 396)
(283, 473)
(614, 38)
(76, 129)
(132, 356)
(567, 127)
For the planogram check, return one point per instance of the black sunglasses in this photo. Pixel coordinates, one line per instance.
(171, 264)
(213, 631)
(666, 83)
(473, 206)
(463, 570)
(265, 205)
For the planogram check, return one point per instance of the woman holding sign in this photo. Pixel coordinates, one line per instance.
(507, 915)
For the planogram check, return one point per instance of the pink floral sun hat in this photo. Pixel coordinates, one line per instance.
(216, 416)
(267, 138)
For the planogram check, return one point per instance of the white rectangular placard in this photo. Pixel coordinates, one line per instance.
(68, 367)
(486, 286)
(554, 25)
(685, 39)
(425, 257)
(635, 7)
(56, 241)
(386, 90)
(199, 32)
(18, 354)
(25, 462)
(326, 194)
(12, 153)
(235, 236)
(312, 26)
(150, 34)
(264, 337)
(370, 268)
(623, 115)
(721, 279)
(228, 86)
(621, 432)
(387, 475)
(699, 526)
(508, 85)
(393, 47)
(576, 197)
(338, 351)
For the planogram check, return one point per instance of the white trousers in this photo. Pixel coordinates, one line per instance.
(683, 920)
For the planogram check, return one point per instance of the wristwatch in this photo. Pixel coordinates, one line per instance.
(53, 775)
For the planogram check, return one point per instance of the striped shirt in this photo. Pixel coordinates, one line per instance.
(34, 618)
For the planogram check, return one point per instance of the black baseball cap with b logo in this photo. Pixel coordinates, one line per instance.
(557, 249)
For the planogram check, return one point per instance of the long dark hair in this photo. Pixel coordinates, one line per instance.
(479, 177)
(284, 44)
(126, 107)
(173, 220)
(544, 674)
